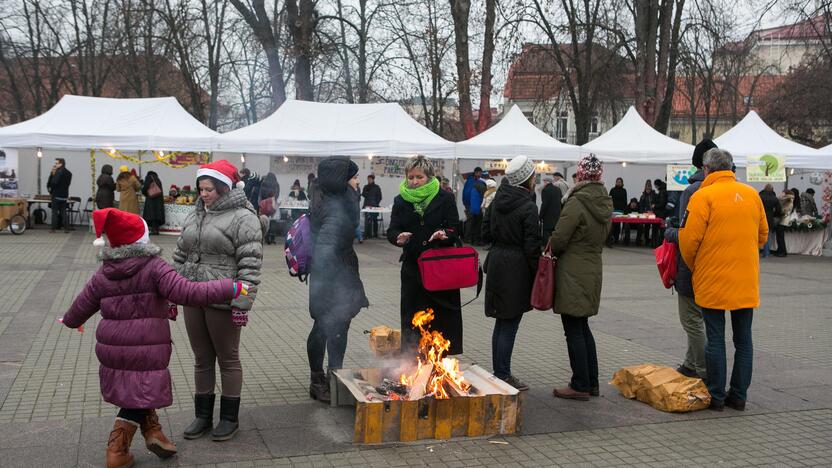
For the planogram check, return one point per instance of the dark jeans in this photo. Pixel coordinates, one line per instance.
(473, 230)
(780, 233)
(502, 345)
(60, 218)
(715, 360)
(329, 337)
(370, 225)
(135, 415)
(582, 355)
(616, 232)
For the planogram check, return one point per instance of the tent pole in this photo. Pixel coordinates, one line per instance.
(40, 157)
(92, 172)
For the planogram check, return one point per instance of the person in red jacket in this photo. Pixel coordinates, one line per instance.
(134, 289)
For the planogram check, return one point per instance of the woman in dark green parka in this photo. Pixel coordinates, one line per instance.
(577, 242)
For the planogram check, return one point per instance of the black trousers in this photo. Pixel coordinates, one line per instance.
(583, 357)
(473, 231)
(60, 217)
(134, 415)
(327, 337)
(780, 234)
(370, 225)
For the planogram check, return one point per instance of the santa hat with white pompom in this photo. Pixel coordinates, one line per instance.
(121, 227)
(223, 171)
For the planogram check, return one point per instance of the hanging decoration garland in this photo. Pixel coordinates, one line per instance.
(176, 159)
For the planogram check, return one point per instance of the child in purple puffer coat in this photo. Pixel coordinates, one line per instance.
(136, 290)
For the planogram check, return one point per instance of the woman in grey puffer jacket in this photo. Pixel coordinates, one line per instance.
(222, 238)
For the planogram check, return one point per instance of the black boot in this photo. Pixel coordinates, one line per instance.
(228, 425)
(204, 411)
(319, 387)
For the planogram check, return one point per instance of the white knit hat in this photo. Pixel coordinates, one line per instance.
(519, 170)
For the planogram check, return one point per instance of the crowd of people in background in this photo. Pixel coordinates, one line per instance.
(715, 221)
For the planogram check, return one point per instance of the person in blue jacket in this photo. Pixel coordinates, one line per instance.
(472, 194)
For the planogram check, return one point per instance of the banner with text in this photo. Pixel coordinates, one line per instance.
(678, 175)
(8, 173)
(766, 168)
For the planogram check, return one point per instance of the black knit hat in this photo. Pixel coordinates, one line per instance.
(700, 150)
(352, 171)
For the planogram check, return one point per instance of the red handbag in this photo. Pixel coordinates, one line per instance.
(543, 289)
(667, 263)
(449, 268)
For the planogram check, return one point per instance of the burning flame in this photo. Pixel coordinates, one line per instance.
(432, 348)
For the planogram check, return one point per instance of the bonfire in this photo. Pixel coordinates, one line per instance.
(435, 375)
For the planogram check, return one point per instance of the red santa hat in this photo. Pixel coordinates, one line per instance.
(223, 171)
(121, 227)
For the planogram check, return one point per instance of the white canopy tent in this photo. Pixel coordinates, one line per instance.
(513, 136)
(632, 140)
(306, 128)
(752, 137)
(78, 122)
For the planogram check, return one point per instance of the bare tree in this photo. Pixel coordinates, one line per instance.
(269, 32)
(657, 30)
(302, 22)
(585, 48)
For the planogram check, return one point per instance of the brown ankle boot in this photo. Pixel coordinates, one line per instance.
(154, 438)
(118, 445)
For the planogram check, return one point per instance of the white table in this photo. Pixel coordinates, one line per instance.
(806, 243)
(175, 216)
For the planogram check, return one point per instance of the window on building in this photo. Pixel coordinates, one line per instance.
(562, 126)
(593, 125)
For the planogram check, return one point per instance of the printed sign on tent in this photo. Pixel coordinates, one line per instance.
(8, 173)
(678, 175)
(766, 168)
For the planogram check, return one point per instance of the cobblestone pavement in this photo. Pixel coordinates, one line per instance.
(51, 412)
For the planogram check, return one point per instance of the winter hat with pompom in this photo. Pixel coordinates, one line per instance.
(223, 171)
(121, 227)
(590, 168)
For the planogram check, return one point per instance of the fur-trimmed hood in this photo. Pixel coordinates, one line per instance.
(125, 261)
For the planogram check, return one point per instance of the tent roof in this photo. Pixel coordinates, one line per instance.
(633, 140)
(513, 136)
(79, 122)
(323, 129)
(752, 137)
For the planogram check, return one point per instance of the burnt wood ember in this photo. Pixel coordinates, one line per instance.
(389, 386)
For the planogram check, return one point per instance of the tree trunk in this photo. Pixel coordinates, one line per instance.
(484, 117)
(301, 18)
(460, 10)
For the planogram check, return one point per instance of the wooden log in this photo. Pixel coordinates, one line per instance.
(360, 422)
(420, 382)
(426, 422)
(391, 420)
(459, 419)
(476, 416)
(373, 423)
(408, 430)
(508, 421)
(493, 414)
(444, 419)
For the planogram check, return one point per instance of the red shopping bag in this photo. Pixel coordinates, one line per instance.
(667, 263)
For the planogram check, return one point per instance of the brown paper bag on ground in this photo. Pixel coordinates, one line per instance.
(384, 340)
(662, 388)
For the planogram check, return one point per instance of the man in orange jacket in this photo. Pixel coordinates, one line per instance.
(720, 237)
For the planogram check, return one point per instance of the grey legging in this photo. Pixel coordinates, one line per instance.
(214, 338)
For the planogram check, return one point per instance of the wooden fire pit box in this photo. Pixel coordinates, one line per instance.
(494, 409)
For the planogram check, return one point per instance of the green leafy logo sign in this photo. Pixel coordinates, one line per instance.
(766, 168)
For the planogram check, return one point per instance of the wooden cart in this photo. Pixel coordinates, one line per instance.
(13, 214)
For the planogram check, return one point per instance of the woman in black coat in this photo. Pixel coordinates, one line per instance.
(154, 208)
(105, 195)
(415, 233)
(336, 293)
(511, 224)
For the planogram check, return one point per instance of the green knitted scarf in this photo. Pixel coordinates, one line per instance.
(420, 197)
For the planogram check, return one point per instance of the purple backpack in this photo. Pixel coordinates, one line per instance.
(298, 248)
